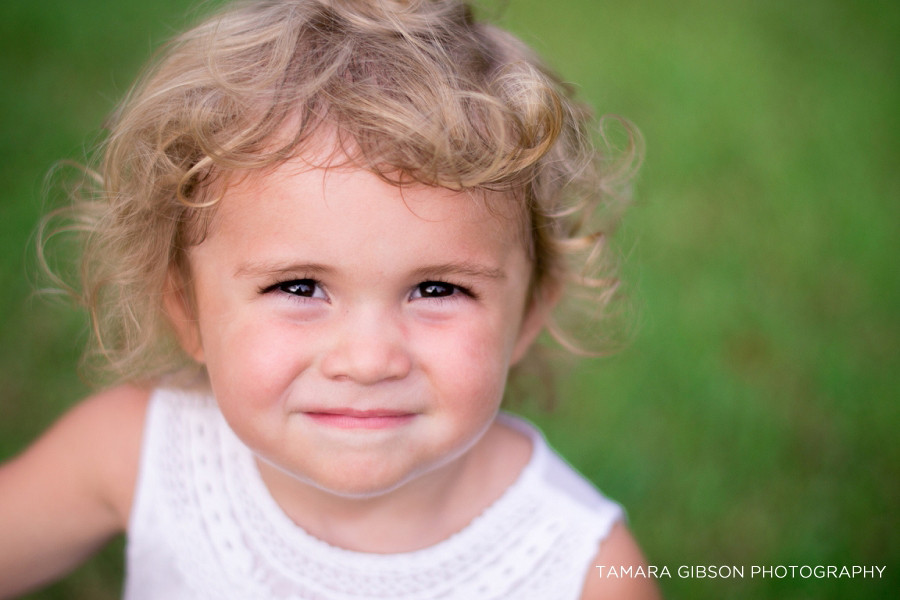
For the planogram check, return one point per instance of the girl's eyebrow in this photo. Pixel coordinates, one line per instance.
(462, 269)
(262, 269)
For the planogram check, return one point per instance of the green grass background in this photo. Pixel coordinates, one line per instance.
(753, 417)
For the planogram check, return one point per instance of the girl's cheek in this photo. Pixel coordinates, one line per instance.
(261, 359)
(469, 354)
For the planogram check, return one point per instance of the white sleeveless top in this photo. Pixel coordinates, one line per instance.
(203, 525)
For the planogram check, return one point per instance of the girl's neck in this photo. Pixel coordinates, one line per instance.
(416, 515)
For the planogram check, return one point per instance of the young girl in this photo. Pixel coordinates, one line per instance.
(326, 230)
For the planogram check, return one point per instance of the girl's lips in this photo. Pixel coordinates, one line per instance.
(361, 419)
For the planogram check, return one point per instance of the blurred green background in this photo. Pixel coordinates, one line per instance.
(753, 417)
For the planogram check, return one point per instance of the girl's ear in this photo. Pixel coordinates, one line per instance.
(539, 308)
(182, 315)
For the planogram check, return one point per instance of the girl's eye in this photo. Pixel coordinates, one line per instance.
(434, 289)
(306, 288)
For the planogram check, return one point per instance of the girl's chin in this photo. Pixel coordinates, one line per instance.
(363, 481)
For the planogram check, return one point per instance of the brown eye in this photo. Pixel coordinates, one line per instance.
(307, 288)
(433, 289)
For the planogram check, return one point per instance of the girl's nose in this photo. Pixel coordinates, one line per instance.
(367, 349)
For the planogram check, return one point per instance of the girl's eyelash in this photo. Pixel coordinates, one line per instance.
(305, 287)
(432, 289)
(439, 290)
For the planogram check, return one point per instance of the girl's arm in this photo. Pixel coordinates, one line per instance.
(71, 491)
(620, 550)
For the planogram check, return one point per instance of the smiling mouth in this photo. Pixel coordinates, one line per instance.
(346, 418)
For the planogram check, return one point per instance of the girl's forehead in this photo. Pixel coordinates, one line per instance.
(338, 193)
(329, 165)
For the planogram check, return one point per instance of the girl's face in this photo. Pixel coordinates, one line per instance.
(358, 335)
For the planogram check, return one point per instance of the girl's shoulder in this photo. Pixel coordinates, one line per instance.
(106, 431)
(71, 490)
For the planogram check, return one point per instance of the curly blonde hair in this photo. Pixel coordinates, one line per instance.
(417, 92)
